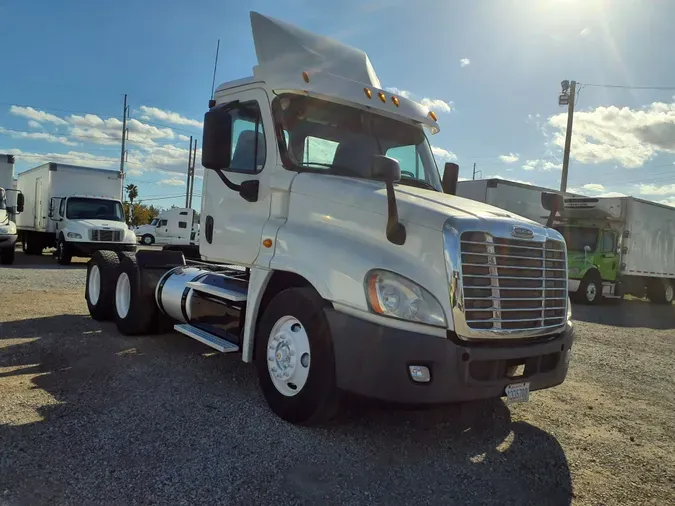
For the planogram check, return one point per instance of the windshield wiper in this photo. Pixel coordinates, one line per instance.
(419, 183)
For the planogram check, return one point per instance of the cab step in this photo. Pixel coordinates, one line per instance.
(207, 338)
(222, 286)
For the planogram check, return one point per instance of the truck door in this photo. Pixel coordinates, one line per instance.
(233, 226)
(162, 231)
(608, 259)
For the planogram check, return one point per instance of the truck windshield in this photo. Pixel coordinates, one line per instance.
(577, 238)
(323, 136)
(79, 208)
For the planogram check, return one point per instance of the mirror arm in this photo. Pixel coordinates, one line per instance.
(396, 233)
(232, 186)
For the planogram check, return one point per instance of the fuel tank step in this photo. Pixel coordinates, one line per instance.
(207, 338)
(222, 286)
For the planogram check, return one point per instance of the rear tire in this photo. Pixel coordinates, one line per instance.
(63, 253)
(294, 358)
(135, 309)
(100, 288)
(31, 246)
(590, 289)
(661, 291)
(7, 256)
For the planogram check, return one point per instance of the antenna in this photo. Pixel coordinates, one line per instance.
(215, 67)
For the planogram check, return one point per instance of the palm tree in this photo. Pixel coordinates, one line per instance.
(132, 192)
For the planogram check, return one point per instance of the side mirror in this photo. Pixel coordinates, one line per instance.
(553, 203)
(217, 138)
(587, 248)
(385, 168)
(20, 201)
(450, 178)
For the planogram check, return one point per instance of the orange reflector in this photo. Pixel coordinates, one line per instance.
(267, 243)
(395, 100)
(305, 77)
(433, 116)
(382, 96)
(372, 294)
(368, 93)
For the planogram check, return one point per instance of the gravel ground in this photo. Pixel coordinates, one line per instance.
(89, 416)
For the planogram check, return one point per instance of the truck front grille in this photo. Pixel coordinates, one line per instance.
(513, 284)
(100, 235)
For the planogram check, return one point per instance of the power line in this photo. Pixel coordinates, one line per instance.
(629, 87)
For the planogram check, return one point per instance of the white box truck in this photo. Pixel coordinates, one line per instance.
(75, 209)
(519, 198)
(617, 246)
(335, 258)
(11, 204)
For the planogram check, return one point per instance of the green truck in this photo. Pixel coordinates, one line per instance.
(619, 246)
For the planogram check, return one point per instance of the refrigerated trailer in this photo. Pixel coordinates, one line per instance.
(617, 246)
(334, 257)
(76, 210)
(519, 198)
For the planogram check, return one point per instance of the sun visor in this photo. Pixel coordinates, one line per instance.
(284, 49)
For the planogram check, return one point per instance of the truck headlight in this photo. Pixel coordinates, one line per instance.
(392, 295)
(74, 235)
(5, 230)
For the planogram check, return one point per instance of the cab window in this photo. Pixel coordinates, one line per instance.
(248, 139)
(608, 240)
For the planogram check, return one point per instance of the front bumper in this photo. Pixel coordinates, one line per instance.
(8, 241)
(372, 361)
(88, 248)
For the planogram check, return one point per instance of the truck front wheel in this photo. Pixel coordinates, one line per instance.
(590, 289)
(63, 254)
(147, 239)
(661, 291)
(294, 358)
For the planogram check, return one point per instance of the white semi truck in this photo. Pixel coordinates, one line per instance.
(174, 226)
(617, 246)
(335, 259)
(11, 204)
(75, 209)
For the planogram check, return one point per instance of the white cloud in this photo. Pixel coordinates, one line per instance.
(443, 154)
(510, 158)
(34, 114)
(133, 172)
(171, 182)
(539, 164)
(154, 113)
(669, 201)
(71, 157)
(399, 92)
(593, 187)
(464, 62)
(611, 194)
(652, 189)
(39, 136)
(183, 138)
(585, 32)
(629, 137)
(34, 124)
(436, 104)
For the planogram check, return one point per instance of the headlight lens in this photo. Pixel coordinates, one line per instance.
(74, 235)
(392, 295)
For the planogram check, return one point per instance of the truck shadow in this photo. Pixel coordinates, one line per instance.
(44, 261)
(99, 417)
(628, 313)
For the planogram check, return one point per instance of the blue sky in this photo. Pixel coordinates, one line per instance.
(492, 69)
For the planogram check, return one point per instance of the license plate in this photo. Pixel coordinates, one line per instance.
(518, 392)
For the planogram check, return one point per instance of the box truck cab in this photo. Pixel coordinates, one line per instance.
(617, 246)
(171, 227)
(76, 210)
(332, 258)
(8, 231)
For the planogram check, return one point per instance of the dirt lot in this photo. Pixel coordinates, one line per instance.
(88, 416)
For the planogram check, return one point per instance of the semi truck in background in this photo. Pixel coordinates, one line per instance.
(519, 198)
(11, 204)
(617, 246)
(75, 209)
(174, 226)
(334, 257)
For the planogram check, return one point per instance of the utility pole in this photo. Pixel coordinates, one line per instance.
(567, 98)
(124, 136)
(474, 170)
(187, 189)
(192, 173)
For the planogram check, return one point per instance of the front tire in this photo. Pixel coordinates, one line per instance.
(294, 358)
(100, 288)
(63, 253)
(148, 240)
(135, 309)
(590, 289)
(7, 256)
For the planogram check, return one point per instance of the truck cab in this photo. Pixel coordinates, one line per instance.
(8, 232)
(336, 258)
(172, 227)
(83, 224)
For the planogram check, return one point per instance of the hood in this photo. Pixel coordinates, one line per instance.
(144, 228)
(415, 205)
(113, 225)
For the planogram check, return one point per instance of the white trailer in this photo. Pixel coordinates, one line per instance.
(519, 198)
(75, 209)
(619, 245)
(335, 258)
